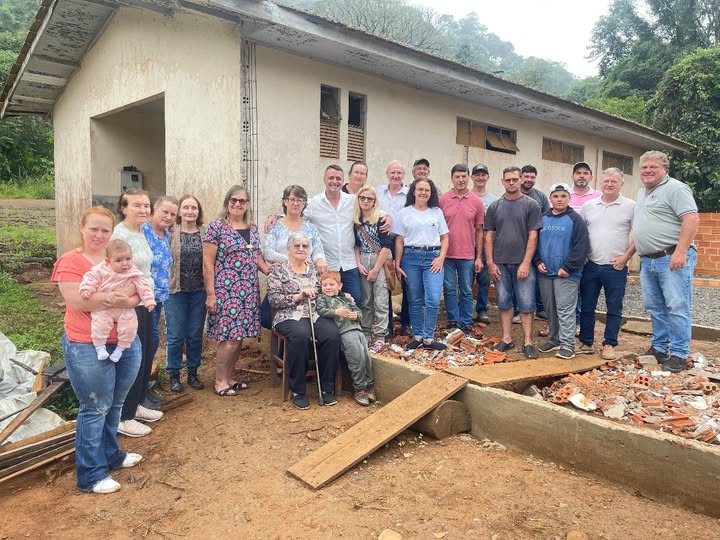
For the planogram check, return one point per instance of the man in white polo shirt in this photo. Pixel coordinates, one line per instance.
(609, 220)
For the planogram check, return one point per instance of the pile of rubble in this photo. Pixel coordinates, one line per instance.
(637, 390)
(463, 350)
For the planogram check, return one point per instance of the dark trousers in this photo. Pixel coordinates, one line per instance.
(136, 395)
(298, 353)
(594, 278)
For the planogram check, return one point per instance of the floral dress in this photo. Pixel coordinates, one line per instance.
(237, 287)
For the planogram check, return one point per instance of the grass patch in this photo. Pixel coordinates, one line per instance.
(22, 233)
(20, 243)
(40, 187)
(26, 321)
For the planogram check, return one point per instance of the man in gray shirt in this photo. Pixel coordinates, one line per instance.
(528, 177)
(664, 227)
(511, 232)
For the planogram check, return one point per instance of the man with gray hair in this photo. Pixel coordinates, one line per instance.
(609, 220)
(664, 227)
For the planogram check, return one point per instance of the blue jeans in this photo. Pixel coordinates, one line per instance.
(155, 334)
(185, 318)
(459, 274)
(424, 289)
(101, 387)
(509, 288)
(594, 278)
(668, 299)
(483, 286)
(351, 284)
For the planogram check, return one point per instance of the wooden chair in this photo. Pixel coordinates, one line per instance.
(278, 354)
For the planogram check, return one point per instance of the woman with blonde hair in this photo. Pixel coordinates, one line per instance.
(231, 259)
(372, 249)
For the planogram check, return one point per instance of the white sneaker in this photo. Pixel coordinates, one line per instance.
(147, 415)
(131, 459)
(102, 353)
(106, 485)
(133, 428)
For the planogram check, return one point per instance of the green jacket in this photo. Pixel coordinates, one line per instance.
(326, 306)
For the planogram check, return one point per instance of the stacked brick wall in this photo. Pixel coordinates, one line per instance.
(708, 243)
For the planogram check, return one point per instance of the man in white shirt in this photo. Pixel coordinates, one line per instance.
(391, 199)
(331, 211)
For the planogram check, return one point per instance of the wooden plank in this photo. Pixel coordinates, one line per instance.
(331, 460)
(40, 437)
(24, 450)
(29, 453)
(171, 403)
(39, 462)
(42, 398)
(526, 370)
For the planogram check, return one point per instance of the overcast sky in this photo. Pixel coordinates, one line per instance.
(554, 29)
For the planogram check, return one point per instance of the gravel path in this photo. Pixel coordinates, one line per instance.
(706, 304)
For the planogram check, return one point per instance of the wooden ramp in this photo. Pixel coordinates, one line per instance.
(526, 370)
(331, 460)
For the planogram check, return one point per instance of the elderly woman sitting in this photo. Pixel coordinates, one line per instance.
(290, 284)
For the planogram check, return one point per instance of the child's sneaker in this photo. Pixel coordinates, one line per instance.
(102, 353)
(370, 391)
(378, 347)
(361, 398)
(566, 353)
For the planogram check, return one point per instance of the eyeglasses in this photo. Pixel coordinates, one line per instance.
(292, 200)
(233, 200)
(363, 198)
(301, 246)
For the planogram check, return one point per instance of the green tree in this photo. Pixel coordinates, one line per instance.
(630, 107)
(545, 75)
(687, 106)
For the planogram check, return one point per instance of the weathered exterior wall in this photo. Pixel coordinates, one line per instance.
(194, 62)
(402, 123)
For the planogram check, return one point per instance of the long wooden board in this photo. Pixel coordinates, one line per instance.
(41, 437)
(526, 370)
(40, 400)
(331, 460)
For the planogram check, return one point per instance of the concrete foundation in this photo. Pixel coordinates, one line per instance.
(661, 467)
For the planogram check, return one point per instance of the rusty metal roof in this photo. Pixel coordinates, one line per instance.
(64, 30)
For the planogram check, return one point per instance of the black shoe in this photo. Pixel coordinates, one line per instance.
(661, 357)
(406, 331)
(195, 382)
(502, 346)
(452, 324)
(434, 345)
(482, 316)
(530, 351)
(175, 385)
(329, 399)
(414, 344)
(151, 402)
(300, 401)
(675, 364)
(566, 353)
(549, 346)
(541, 316)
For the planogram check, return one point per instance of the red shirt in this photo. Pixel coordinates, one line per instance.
(462, 214)
(71, 267)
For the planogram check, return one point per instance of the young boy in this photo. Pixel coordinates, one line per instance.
(342, 309)
(563, 246)
(117, 271)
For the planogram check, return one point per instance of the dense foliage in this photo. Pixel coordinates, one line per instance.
(26, 144)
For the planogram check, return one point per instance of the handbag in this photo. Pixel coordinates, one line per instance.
(389, 266)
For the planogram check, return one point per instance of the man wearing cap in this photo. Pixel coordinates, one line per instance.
(464, 214)
(391, 199)
(582, 191)
(511, 230)
(609, 220)
(562, 249)
(664, 227)
(528, 177)
(480, 176)
(421, 169)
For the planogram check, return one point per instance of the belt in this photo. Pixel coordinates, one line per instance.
(663, 253)
(423, 248)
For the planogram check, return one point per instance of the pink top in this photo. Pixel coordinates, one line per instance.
(462, 214)
(102, 278)
(577, 200)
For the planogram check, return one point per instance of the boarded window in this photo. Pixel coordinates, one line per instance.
(357, 107)
(624, 163)
(479, 135)
(329, 122)
(563, 152)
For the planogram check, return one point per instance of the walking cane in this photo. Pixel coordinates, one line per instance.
(317, 358)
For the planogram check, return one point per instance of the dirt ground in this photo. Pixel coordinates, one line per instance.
(215, 468)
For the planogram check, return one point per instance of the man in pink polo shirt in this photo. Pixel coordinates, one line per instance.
(582, 190)
(464, 214)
